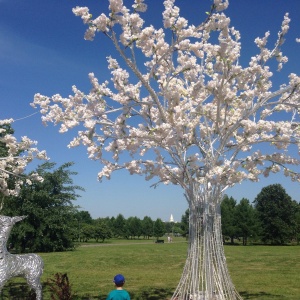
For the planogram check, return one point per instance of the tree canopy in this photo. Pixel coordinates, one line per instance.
(277, 214)
(229, 227)
(246, 220)
(159, 228)
(49, 208)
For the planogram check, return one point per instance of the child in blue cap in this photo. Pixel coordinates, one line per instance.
(119, 293)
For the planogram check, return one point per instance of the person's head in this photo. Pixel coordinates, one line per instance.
(119, 280)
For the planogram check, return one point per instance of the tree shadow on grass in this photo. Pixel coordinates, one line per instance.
(261, 295)
(17, 291)
(149, 293)
(143, 294)
(146, 293)
(21, 291)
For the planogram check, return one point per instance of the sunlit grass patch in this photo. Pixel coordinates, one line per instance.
(152, 271)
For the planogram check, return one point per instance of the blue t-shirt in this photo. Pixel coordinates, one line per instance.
(118, 295)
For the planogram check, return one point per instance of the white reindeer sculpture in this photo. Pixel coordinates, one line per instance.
(29, 266)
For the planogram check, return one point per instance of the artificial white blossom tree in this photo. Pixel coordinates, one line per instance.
(16, 156)
(181, 108)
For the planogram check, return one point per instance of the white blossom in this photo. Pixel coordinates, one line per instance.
(180, 107)
(14, 163)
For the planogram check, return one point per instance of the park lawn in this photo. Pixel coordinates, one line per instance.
(265, 272)
(152, 270)
(145, 266)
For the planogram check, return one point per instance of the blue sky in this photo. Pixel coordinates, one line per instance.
(42, 50)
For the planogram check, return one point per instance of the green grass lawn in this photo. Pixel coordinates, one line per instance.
(265, 272)
(152, 270)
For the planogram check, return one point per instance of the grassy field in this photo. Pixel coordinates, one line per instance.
(152, 270)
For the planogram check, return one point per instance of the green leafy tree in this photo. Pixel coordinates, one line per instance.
(276, 212)
(184, 225)
(134, 227)
(111, 223)
(87, 232)
(177, 231)
(169, 227)
(119, 229)
(84, 216)
(246, 221)
(229, 228)
(49, 208)
(147, 227)
(159, 228)
(102, 230)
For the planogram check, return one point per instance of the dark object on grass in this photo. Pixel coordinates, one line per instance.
(159, 241)
(60, 287)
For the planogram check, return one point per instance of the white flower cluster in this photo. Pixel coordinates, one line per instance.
(189, 113)
(13, 164)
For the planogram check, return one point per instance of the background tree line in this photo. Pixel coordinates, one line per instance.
(118, 227)
(55, 223)
(274, 218)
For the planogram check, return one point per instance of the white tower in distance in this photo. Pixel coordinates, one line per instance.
(171, 219)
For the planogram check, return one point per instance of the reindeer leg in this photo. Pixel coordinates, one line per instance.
(2, 283)
(35, 284)
(38, 293)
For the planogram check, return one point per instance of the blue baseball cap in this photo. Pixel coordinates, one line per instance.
(119, 279)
